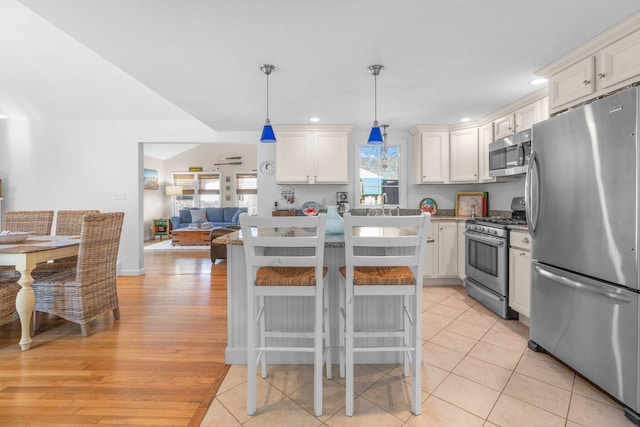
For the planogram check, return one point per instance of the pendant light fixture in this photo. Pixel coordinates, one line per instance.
(375, 137)
(267, 131)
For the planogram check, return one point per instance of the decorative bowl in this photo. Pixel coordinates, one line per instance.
(13, 236)
(428, 205)
(310, 208)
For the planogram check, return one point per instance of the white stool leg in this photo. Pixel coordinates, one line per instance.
(263, 335)
(407, 328)
(416, 381)
(318, 353)
(341, 325)
(327, 329)
(251, 356)
(349, 354)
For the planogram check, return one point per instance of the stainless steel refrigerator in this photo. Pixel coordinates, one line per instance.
(582, 210)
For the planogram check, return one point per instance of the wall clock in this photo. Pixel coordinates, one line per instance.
(266, 167)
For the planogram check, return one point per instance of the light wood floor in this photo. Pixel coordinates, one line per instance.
(159, 365)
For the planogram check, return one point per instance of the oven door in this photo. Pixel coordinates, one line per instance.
(486, 261)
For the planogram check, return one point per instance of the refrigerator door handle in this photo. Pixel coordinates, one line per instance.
(532, 223)
(620, 299)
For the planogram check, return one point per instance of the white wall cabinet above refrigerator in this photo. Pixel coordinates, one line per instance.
(606, 63)
(312, 155)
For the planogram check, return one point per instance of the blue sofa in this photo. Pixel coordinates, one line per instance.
(211, 218)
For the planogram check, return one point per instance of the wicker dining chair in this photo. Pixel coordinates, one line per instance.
(8, 290)
(89, 290)
(69, 222)
(37, 222)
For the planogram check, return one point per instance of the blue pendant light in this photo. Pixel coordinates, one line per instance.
(375, 137)
(267, 131)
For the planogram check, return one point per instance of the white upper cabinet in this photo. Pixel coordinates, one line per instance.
(312, 155)
(618, 62)
(430, 156)
(485, 137)
(463, 145)
(504, 126)
(606, 63)
(521, 119)
(572, 83)
(526, 116)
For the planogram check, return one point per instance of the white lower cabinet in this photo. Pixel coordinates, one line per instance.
(430, 258)
(441, 256)
(461, 251)
(520, 274)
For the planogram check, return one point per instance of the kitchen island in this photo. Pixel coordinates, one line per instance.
(372, 312)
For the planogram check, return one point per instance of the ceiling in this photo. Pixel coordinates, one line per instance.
(443, 60)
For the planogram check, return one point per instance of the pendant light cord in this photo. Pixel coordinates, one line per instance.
(375, 98)
(267, 96)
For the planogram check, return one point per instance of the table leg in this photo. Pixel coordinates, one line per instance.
(25, 303)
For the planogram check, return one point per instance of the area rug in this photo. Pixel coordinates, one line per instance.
(165, 246)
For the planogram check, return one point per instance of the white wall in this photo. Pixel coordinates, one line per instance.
(84, 165)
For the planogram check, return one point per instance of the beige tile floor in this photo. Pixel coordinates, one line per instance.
(477, 371)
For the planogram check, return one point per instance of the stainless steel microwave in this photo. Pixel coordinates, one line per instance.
(510, 156)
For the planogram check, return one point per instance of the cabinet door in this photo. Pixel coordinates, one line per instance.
(331, 159)
(503, 126)
(485, 137)
(447, 249)
(434, 158)
(430, 260)
(291, 154)
(463, 146)
(526, 116)
(572, 83)
(520, 281)
(619, 61)
(461, 251)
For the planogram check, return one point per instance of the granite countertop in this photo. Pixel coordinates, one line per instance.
(331, 240)
(522, 228)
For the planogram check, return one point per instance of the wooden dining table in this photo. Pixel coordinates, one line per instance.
(25, 256)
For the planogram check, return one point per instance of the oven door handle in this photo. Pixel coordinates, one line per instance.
(485, 239)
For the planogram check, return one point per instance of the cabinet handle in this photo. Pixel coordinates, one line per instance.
(586, 82)
(523, 254)
(601, 75)
(525, 240)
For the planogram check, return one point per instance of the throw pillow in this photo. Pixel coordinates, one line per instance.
(236, 217)
(185, 216)
(198, 215)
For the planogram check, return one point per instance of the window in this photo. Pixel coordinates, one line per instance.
(209, 190)
(247, 191)
(380, 175)
(199, 190)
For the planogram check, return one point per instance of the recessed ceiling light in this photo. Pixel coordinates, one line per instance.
(314, 119)
(3, 116)
(538, 81)
(465, 119)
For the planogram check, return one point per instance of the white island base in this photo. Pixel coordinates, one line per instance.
(296, 313)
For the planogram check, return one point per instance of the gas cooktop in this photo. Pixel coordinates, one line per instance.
(497, 221)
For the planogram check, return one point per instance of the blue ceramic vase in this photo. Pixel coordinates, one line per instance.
(334, 223)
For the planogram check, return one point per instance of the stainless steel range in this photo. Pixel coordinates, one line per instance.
(487, 259)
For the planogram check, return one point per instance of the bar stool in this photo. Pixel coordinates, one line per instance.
(285, 257)
(384, 258)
